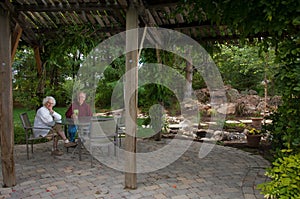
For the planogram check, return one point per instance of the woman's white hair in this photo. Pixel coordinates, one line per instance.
(46, 99)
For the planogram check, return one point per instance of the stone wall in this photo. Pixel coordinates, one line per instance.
(237, 103)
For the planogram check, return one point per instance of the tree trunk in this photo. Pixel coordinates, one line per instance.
(189, 78)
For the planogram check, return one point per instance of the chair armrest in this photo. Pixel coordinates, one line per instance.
(46, 128)
(102, 136)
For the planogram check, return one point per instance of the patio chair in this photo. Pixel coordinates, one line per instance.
(119, 116)
(103, 133)
(83, 132)
(28, 128)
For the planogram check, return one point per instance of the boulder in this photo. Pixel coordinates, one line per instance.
(228, 109)
(232, 95)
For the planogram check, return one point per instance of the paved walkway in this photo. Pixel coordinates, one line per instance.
(224, 173)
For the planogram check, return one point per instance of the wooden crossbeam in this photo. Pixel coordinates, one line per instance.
(15, 40)
(28, 34)
(70, 7)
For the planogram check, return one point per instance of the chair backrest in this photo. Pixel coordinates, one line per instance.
(119, 116)
(83, 130)
(25, 121)
(103, 129)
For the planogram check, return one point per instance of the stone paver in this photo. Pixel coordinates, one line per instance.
(224, 173)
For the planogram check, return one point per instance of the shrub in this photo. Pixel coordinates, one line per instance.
(285, 178)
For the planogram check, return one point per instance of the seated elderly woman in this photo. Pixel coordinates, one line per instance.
(46, 117)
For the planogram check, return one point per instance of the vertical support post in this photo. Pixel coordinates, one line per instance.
(6, 105)
(131, 78)
(38, 60)
(41, 85)
(188, 76)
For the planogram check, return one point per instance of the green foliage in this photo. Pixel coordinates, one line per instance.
(151, 94)
(234, 125)
(285, 179)
(254, 131)
(198, 81)
(25, 82)
(67, 88)
(103, 94)
(285, 128)
(245, 67)
(116, 69)
(108, 82)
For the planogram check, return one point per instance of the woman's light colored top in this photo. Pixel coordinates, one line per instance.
(44, 119)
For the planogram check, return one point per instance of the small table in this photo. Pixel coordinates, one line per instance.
(83, 124)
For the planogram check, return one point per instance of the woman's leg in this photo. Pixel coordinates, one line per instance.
(58, 129)
(55, 140)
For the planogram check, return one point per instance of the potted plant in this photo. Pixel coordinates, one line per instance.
(253, 137)
(257, 120)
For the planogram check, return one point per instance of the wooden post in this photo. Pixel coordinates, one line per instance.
(131, 78)
(41, 85)
(6, 103)
(188, 76)
(38, 60)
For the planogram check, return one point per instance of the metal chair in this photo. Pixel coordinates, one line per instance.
(119, 116)
(83, 132)
(103, 133)
(28, 128)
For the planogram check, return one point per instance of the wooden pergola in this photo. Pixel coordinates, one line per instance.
(27, 20)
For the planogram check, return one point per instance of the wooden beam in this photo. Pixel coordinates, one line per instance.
(6, 105)
(68, 7)
(131, 78)
(15, 40)
(38, 60)
(52, 31)
(28, 34)
(161, 5)
(77, 7)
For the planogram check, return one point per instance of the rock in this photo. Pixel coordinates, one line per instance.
(252, 92)
(251, 99)
(275, 101)
(249, 109)
(261, 106)
(202, 95)
(228, 108)
(201, 134)
(242, 104)
(218, 135)
(232, 95)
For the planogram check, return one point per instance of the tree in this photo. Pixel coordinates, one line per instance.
(244, 67)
